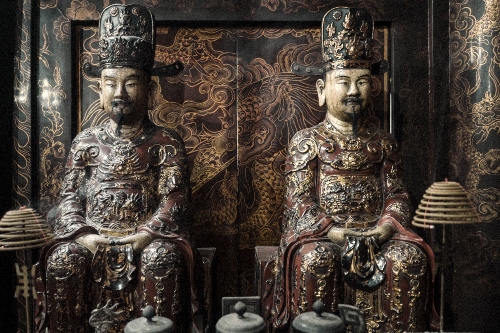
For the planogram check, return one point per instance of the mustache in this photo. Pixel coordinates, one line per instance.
(356, 100)
(119, 102)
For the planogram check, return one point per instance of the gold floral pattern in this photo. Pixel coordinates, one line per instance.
(82, 10)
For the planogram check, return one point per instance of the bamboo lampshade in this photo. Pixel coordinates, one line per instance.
(23, 229)
(445, 203)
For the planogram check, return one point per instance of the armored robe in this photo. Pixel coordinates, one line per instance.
(336, 180)
(116, 187)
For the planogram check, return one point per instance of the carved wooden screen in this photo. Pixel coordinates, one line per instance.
(236, 104)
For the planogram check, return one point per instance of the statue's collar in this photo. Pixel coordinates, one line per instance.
(106, 136)
(367, 129)
(340, 127)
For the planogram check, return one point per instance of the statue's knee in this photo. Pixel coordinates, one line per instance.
(320, 258)
(319, 275)
(320, 261)
(161, 258)
(68, 260)
(407, 258)
(165, 281)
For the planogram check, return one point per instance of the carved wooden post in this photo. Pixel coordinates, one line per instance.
(474, 156)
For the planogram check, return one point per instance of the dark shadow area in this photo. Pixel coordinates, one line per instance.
(8, 317)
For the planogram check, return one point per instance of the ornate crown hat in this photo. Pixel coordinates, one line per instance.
(346, 38)
(127, 39)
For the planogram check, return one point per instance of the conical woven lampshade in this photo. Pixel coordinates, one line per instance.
(445, 203)
(23, 229)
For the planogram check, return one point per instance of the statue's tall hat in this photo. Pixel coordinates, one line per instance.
(127, 39)
(346, 42)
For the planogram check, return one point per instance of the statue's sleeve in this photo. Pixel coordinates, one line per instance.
(303, 213)
(68, 221)
(396, 210)
(171, 216)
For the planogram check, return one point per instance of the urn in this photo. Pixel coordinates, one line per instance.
(149, 323)
(240, 321)
(318, 321)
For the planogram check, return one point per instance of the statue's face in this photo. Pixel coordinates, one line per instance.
(125, 94)
(345, 91)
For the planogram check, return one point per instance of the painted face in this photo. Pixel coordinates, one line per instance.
(346, 92)
(125, 94)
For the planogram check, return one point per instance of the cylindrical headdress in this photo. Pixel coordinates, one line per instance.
(346, 38)
(127, 39)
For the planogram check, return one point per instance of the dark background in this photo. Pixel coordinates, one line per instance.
(9, 11)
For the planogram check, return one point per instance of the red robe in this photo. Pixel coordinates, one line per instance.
(116, 188)
(342, 181)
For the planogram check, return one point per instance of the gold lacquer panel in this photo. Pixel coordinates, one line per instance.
(474, 160)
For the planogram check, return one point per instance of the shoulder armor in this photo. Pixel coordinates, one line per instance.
(84, 149)
(85, 135)
(301, 150)
(172, 134)
(390, 146)
(169, 149)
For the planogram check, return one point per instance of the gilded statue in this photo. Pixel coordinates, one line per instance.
(121, 224)
(346, 227)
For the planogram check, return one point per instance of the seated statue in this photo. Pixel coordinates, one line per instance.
(121, 222)
(346, 236)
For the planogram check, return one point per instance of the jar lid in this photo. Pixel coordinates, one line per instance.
(241, 321)
(149, 323)
(318, 321)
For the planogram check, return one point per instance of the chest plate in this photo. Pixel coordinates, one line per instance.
(117, 205)
(120, 195)
(349, 188)
(352, 199)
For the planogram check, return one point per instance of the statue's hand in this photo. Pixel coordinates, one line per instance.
(138, 241)
(339, 235)
(382, 233)
(92, 241)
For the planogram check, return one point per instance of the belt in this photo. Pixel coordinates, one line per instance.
(117, 232)
(360, 225)
(351, 222)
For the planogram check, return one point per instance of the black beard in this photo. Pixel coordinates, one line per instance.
(118, 106)
(354, 115)
(354, 118)
(119, 117)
